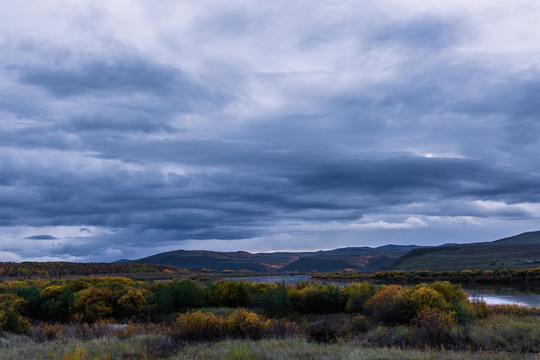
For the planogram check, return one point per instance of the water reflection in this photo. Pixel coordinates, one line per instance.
(505, 296)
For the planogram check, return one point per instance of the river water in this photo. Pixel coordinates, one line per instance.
(493, 295)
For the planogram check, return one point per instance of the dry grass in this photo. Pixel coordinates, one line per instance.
(299, 349)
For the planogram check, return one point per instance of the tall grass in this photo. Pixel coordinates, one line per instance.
(299, 349)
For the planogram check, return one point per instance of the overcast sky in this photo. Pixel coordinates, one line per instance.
(129, 128)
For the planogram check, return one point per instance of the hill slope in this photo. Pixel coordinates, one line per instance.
(357, 258)
(518, 251)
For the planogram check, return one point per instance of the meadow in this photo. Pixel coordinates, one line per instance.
(121, 318)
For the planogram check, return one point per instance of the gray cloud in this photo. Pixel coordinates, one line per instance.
(249, 127)
(41, 237)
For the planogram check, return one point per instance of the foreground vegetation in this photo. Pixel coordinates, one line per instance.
(154, 347)
(116, 317)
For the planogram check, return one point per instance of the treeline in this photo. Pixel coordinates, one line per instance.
(46, 270)
(499, 276)
(436, 314)
(89, 300)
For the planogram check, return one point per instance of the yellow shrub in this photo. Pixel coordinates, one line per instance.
(10, 318)
(246, 324)
(433, 326)
(199, 326)
(423, 298)
(387, 304)
(93, 304)
(133, 303)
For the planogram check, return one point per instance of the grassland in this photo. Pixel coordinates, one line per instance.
(121, 318)
(149, 347)
(501, 337)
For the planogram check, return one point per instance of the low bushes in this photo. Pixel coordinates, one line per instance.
(89, 300)
(437, 314)
(433, 327)
(241, 324)
(199, 326)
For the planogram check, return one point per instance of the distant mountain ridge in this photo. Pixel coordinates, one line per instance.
(356, 258)
(518, 251)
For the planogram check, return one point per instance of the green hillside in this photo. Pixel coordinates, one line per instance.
(357, 258)
(520, 251)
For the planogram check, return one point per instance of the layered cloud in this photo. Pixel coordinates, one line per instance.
(130, 128)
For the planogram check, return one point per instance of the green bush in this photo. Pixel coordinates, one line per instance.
(273, 300)
(164, 300)
(31, 294)
(57, 303)
(317, 299)
(187, 294)
(356, 296)
(231, 294)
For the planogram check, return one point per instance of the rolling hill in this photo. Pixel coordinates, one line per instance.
(357, 258)
(520, 251)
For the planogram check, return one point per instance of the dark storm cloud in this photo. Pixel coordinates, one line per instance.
(127, 75)
(41, 237)
(104, 124)
(242, 123)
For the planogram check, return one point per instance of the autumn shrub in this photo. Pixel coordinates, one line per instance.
(420, 298)
(93, 304)
(328, 327)
(356, 296)
(388, 305)
(56, 303)
(433, 327)
(231, 294)
(448, 290)
(398, 336)
(52, 331)
(480, 310)
(11, 319)
(246, 324)
(281, 328)
(317, 299)
(360, 324)
(199, 326)
(134, 304)
(31, 294)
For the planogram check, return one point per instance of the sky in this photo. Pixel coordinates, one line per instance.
(129, 128)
